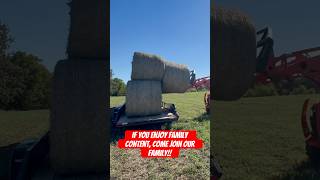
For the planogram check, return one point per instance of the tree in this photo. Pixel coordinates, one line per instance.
(24, 81)
(11, 84)
(36, 79)
(5, 40)
(10, 81)
(117, 87)
(111, 74)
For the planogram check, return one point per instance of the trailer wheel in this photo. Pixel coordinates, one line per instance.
(167, 126)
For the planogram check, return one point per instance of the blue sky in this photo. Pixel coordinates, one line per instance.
(177, 30)
(38, 27)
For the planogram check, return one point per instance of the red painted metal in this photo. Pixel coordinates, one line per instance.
(203, 82)
(304, 63)
(207, 101)
(304, 123)
(311, 137)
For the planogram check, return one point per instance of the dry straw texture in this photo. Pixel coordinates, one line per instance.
(88, 29)
(143, 98)
(147, 67)
(78, 129)
(233, 44)
(176, 78)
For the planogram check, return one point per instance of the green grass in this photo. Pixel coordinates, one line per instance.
(254, 138)
(192, 164)
(16, 126)
(261, 138)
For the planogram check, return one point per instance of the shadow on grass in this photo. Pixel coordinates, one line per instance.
(202, 117)
(301, 171)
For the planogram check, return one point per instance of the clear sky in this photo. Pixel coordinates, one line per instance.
(177, 30)
(39, 27)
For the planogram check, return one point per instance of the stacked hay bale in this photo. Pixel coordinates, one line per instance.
(79, 131)
(233, 45)
(176, 78)
(143, 98)
(88, 35)
(147, 67)
(151, 76)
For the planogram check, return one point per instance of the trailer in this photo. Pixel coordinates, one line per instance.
(167, 117)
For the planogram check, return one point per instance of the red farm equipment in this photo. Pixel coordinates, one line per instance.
(202, 83)
(305, 64)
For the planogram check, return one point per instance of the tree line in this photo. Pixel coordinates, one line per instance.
(24, 82)
(117, 86)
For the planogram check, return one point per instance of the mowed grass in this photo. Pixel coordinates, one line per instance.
(192, 164)
(254, 138)
(16, 126)
(261, 138)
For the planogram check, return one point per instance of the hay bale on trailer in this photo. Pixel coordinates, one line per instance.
(147, 67)
(143, 98)
(79, 117)
(176, 78)
(233, 47)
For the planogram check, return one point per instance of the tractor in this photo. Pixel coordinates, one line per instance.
(284, 68)
(299, 64)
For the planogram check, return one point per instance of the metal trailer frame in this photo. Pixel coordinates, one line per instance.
(168, 116)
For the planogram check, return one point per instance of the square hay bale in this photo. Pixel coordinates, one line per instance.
(88, 29)
(147, 67)
(176, 78)
(79, 131)
(143, 98)
(233, 47)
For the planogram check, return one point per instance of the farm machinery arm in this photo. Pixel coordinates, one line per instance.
(304, 63)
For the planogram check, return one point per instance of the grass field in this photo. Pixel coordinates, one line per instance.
(261, 138)
(192, 164)
(254, 138)
(16, 126)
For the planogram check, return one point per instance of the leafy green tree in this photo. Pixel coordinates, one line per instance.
(5, 40)
(24, 81)
(10, 77)
(36, 80)
(117, 87)
(11, 84)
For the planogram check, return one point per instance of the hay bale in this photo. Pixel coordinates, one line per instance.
(143, 98)
(78, 124)
(88, 29)
(147, 67)
(176, 78)
(233, 45)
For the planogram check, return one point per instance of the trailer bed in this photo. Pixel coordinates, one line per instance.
(167, 116)
(136, 121)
